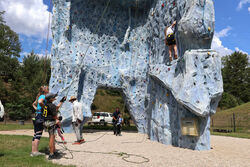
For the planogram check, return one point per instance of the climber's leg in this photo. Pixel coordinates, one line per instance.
(175, 51)
(170, 52)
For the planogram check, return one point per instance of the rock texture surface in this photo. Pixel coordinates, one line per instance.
(120, 44)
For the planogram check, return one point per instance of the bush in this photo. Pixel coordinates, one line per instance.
(18, 111)
(229, 101)
(93, 107)
(113, 92)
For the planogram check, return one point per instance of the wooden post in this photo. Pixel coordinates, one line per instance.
(212, 122)
(234, 122)
(231, 122)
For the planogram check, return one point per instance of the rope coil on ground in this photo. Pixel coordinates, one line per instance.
(125, 156)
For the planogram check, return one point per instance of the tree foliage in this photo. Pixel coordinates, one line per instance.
(236, 75)
(19, 82)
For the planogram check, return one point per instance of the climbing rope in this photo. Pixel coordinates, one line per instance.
(47, 45)
(96, 29)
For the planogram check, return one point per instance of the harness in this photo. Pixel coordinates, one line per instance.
(170, 38)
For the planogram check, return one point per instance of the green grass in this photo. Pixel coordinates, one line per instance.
(15, 152)
(15, 127)
(242, 117)
(223, 120)
(106, 101)
(239, 135)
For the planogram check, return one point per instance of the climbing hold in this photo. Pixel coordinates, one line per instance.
(167, 94)
(174, 3)
(160, 105)
(153, 13)
(208, 53)
(152, 102)
(209, 28)
(168, 69)
(162, 5)
(60, 81)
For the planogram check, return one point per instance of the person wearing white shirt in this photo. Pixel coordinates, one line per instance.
(77, 119)
(170, 41)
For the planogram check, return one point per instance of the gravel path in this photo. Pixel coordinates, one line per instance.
(226, 151)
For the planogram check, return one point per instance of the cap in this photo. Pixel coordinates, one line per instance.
(50, 96)
(72, 98)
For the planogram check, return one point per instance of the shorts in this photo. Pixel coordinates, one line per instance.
(170, 40)
(50, 126)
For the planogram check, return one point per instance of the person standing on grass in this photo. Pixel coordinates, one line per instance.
(77, 120)
(38, 120)
(51, 120)
(115, 120)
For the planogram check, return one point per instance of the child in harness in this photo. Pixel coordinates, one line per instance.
(170, 41)
(118, 125)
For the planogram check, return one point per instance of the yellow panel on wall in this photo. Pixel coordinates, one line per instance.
(189, 127)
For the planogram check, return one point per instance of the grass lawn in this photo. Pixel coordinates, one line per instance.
(15, 126)
(223, 120)
(15, 152)
(240, 135)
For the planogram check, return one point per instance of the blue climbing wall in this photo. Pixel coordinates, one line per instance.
(120, 44)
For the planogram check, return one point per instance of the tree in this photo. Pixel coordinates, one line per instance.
(236, 75)
(10, 49)
(9, 40)
(36, 72)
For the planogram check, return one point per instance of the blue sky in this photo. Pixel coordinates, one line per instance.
(232, 24)
(29, 18)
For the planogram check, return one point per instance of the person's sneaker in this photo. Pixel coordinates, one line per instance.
(76, 143)
(34, 154)
(82, 141)
(52, 156)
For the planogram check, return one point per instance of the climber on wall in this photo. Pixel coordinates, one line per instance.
(170, 41)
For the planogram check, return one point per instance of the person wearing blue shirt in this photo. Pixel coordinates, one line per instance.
(38, 120)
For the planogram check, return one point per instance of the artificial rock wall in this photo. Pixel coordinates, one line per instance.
(120, 44)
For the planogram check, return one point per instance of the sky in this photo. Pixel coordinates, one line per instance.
(29, 18)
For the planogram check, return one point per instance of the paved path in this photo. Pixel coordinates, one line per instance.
(227, 151)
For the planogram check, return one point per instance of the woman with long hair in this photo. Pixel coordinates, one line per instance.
(38, 120)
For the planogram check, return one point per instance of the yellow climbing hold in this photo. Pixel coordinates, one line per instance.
(209, 28)
(152, 102)
(160, 105)
(208, 53)
(167, 94)
(60, 81)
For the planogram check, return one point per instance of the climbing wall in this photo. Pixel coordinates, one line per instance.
(120, 44)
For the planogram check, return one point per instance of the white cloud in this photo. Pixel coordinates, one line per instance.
(242, 3)
(239, 50)
(40, 55)
(217, 45)
(224, 32)
(27, 17)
